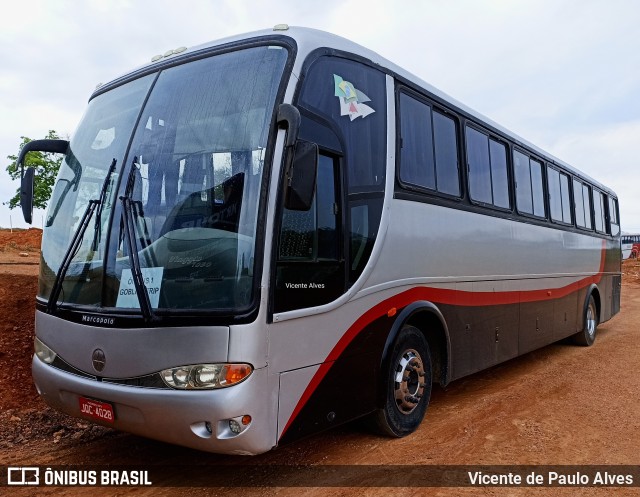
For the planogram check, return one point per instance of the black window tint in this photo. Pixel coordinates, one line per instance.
(479, 166)
(586, 196)
(613, 211)
(529, 189)
(537, 190)
(297, 235)
(311, 235)
(614, 225)
(326, 206)
(578, 203)
(565, 197)
(310, 270)
(524, 202)
(446, 149)
(348, 101)
(362, 119)
(598, 211)
(499, 177)
(555, 202)
(416, 155)
(429, 153)
(488, 179)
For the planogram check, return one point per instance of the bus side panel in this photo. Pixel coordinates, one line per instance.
(480, 336)
(536, 325)
(460, 334)
(617, 287)
(605, 288)
(347, 390)
(499, 321)
(611, 304)
(565, 320)
(503, 287)
(290, 382)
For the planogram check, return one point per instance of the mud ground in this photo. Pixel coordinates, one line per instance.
(560, 405)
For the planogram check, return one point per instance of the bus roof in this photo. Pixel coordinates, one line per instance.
(309, 39)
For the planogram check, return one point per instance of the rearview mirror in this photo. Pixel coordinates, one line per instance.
(289, 117)
(26, 194)
(301, 177)
(27, 177)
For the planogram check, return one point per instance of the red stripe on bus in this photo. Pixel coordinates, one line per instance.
(439, 296)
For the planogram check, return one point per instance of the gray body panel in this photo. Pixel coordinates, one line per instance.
(132, 352)
(428, 243)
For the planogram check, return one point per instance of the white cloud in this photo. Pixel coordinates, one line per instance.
(606, 153)
(565, 74)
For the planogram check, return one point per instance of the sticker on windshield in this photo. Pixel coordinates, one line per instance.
(127, 296)
(104, 139)
(351, 99)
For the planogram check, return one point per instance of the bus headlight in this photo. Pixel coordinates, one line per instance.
(205, 376)
(44, 353)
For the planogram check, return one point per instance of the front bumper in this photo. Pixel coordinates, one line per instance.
(173, 416)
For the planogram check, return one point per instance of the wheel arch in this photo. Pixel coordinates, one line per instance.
(429, 320)
(592, 291)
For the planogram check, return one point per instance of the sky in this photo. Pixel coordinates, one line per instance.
(563, 74)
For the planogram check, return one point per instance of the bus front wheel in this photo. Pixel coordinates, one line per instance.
(587, 336)
(407, 385)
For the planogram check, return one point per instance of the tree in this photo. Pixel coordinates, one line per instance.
(46, 166)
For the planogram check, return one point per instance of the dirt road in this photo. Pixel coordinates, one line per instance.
(559, 405)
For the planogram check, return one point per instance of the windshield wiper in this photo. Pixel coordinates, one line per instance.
(128, 215)
(97, 229)
(78, 236)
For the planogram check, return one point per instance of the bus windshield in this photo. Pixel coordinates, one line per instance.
(189, 147)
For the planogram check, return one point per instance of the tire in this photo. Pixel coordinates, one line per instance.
(587, 336)
(407, 386)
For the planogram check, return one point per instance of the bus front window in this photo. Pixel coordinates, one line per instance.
(192, 179)
(101, 137)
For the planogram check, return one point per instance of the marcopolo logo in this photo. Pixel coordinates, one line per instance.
(88, 318)
(98, 359)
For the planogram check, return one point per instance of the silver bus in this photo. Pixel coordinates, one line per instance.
(260, 238)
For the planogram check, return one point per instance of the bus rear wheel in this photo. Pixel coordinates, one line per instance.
(587, 336)
(407, 385)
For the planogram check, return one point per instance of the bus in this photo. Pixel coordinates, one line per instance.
(630, 245)
(264, 237)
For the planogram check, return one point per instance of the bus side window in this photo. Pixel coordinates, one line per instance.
(582, 204)
(429, 150)
(614, 224)
(566, 198)
(311, 235)
(357, 132)
(417, 165)
(487, 163)
(529, 189)
(560, 198)
(586, 195)
(598, 210)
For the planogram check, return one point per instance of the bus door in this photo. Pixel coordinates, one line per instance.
(319, 254)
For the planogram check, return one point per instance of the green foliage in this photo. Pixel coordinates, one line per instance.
(46, 166)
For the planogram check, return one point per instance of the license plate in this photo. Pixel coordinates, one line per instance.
(96, 409)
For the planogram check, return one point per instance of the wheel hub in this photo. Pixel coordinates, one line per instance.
(409, 381)
(591, 320)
